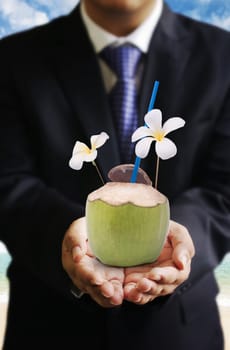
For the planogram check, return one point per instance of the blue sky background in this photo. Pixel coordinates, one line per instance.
(16, 15)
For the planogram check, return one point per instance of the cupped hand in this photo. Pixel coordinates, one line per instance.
(103, 283)
(146, 282)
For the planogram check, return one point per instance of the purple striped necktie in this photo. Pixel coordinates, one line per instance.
(123, 60)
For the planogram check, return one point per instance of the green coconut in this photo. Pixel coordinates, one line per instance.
(127, 223)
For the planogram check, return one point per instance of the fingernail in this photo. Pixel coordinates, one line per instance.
(106, 295)
(137, 299)
(157, 278)
(76, 252)
(184, 260)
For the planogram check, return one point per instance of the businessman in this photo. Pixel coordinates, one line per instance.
(55, 88)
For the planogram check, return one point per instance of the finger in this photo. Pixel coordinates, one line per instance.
(106, 289)
(145, 299)
(89, 250)
(181, 257)
(165, 289)
(149, 287)
(161, 289)
(113, 290)
(94, 278)
(183, 248)
(138, 298)
(76, 239)
(133, 295)
(145, 285)
(105, 295)
(118, 295)
(146, 291)
(168, 274)
(135, 277)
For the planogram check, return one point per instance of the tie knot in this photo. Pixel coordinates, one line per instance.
(123, 60)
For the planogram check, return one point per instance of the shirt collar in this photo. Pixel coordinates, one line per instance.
(140, 37)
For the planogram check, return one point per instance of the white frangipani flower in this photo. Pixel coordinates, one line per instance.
(154, 131)
(82, 153)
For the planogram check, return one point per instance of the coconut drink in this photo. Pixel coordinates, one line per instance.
(127, 223)
(128, 219)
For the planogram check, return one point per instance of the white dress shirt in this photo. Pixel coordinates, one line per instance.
(140, 38)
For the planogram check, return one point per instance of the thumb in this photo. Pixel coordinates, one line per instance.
(76, 239)
(183, 248)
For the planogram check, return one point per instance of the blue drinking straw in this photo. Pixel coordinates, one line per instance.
(151, 106)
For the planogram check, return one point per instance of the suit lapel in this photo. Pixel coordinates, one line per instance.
(166, 61)
(79, 74)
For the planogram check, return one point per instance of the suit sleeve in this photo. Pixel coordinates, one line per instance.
(205, 209)
(33, 215)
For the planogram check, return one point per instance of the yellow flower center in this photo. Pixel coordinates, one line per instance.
(88, 150)
(159, 135)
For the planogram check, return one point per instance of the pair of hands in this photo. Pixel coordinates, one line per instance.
(109, 286)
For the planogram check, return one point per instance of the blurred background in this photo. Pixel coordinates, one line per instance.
(18, 15)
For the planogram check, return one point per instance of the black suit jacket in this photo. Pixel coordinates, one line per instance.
(52, 94)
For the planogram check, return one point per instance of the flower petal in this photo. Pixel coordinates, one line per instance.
(141, 132)
(98, 140)
(143, 146)
(80, 147)
(153, 119)
(90, 157)
(165, 149)
(173, 124)
(76, 162)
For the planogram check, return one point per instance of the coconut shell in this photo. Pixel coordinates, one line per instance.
(123, 173)
(127, 224)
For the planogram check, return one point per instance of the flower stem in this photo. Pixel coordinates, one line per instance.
(157, 172)
(99, 173)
